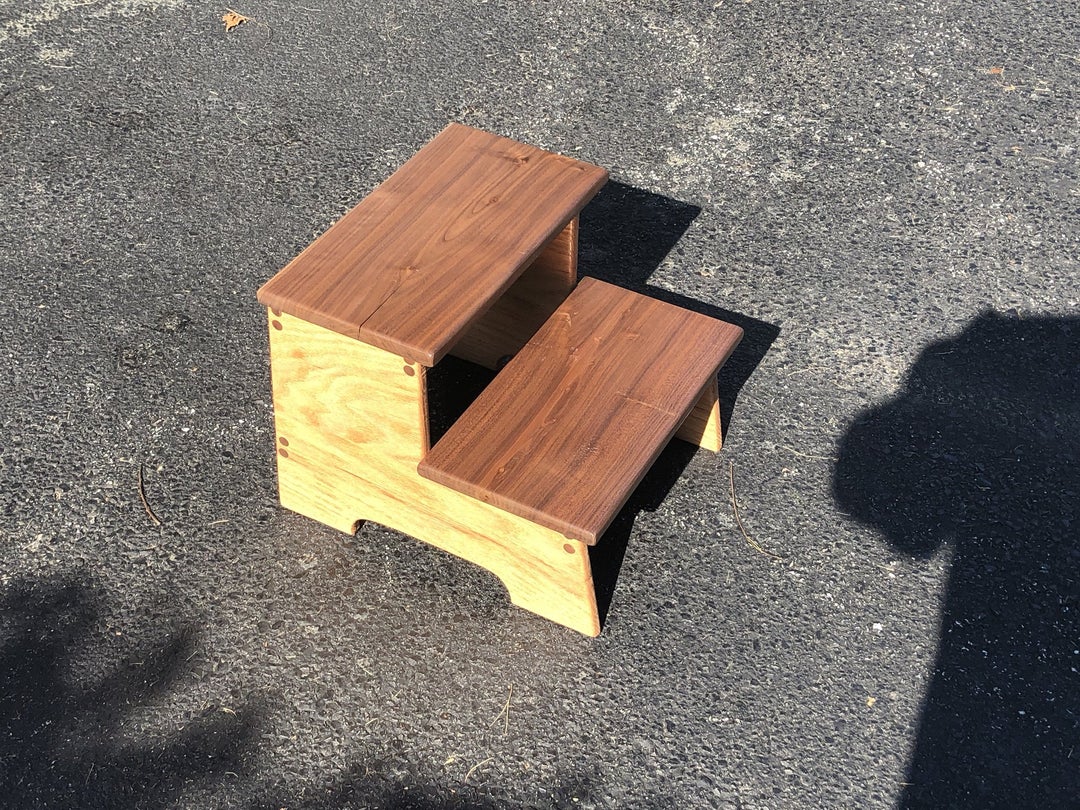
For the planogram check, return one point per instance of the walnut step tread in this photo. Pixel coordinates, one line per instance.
(566, 431)
(420, 259)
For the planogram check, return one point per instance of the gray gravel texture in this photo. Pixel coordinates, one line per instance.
(884, 194)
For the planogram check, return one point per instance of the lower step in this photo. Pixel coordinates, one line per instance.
(570, 426)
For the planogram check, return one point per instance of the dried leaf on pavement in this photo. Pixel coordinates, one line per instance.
(232, 19)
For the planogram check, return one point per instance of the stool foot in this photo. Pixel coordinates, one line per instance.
(566, 596)
(306, 495)
(702, 425)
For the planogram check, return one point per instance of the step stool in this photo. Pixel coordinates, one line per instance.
(470, 249)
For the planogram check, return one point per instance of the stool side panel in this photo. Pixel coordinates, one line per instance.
(357, 402)
(523, 309)
(355, 425)
(702, 425)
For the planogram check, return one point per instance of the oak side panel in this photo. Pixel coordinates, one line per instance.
(351, 428)
(702, 425)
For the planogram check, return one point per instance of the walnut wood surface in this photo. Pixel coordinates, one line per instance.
(522, 309)
(567, 430)
(422, 257)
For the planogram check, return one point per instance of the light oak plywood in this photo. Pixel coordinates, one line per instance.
(352, 427)
(702, 426)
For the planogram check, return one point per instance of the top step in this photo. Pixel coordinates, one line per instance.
(422, 257)
(566, 431)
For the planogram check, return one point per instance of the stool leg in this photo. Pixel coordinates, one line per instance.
(313, 494)
(702, 426)
(544, 572)
(565, 594)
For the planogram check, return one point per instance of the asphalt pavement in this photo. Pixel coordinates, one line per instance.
(884, 195)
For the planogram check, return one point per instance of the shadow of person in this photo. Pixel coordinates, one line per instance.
(979, 455)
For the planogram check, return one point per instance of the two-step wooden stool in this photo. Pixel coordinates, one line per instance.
(470, 249)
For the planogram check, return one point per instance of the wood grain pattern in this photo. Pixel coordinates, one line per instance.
(352, 427)
(421, 258)
(567, 430)
(518, 315)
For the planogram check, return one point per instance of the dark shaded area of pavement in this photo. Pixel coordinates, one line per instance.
(64, 738)
(977, 455)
